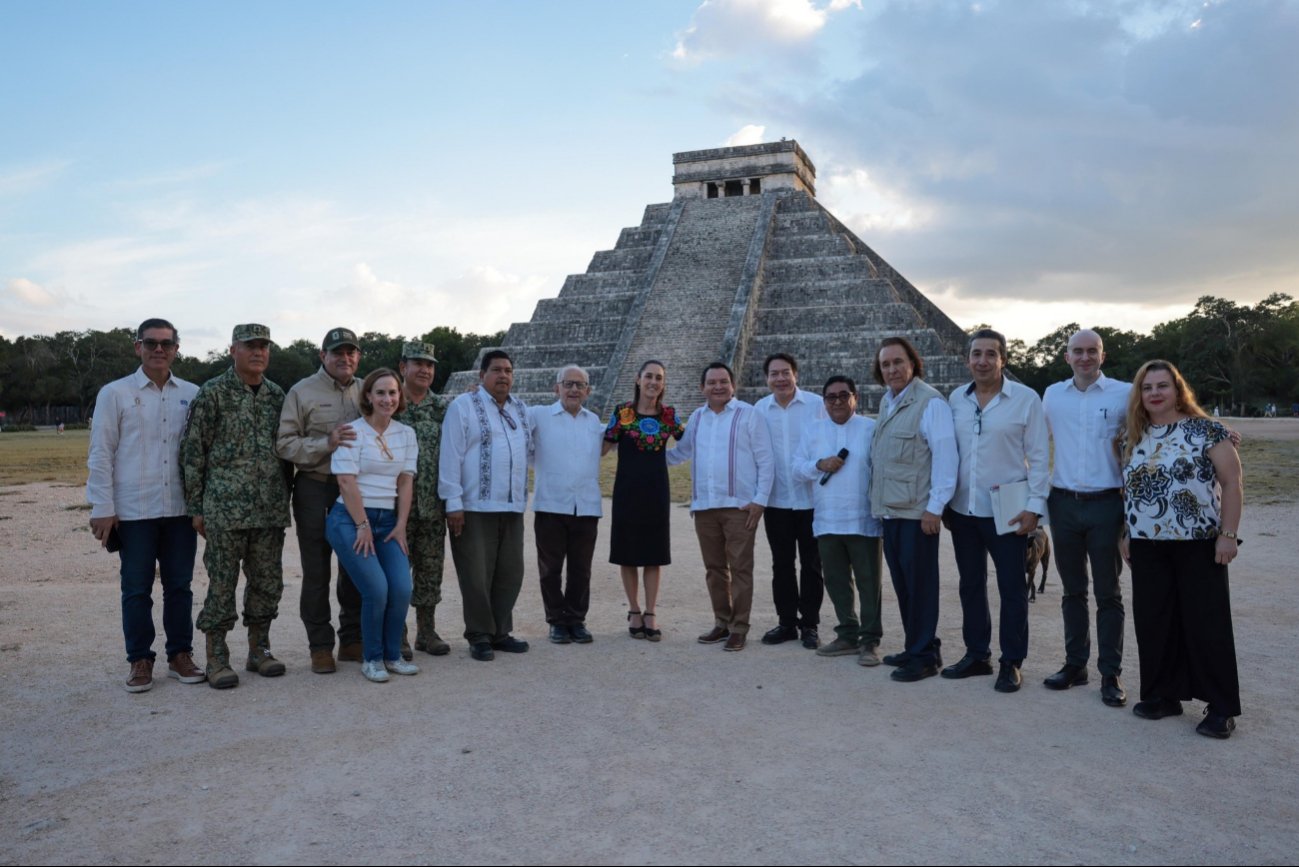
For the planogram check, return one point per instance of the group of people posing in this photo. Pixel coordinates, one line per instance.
(382, 472)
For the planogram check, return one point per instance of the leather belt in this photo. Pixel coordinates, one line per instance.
(318, 477)
(1086, 495)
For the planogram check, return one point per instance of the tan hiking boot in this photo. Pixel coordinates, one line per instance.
(426, 635)
(260, 659)
(353, 651)
(219, 673)
(141, 677)
(182, 668)
(322, 662)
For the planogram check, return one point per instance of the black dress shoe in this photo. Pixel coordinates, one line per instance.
(780, 635)
(1216, 725)
(914, 670)
(1112, 691)
(581, 634)
(896, 659)
(560, 635)
(510, 644)
(969, 666)
(1009, 679)
(1070, 675)
(811, 640)
(1157, 708)
(481, 651)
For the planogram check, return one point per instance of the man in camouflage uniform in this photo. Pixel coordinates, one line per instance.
(426, 528)
(316, 421)
(237, 493)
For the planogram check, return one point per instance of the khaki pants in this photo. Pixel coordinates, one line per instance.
(727, 550)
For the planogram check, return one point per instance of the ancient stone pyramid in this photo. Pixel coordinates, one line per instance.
(743, 262)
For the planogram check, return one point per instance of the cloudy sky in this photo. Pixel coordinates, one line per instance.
(397, 166)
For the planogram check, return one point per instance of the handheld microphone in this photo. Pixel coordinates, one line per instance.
(843, 456)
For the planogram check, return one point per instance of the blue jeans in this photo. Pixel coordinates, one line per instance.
(169, 543)
(383, 579)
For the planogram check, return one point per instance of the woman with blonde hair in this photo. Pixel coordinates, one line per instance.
(639, 539)
(1183, 498)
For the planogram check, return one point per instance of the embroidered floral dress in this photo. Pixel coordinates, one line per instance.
(640, 535)
(1170, 490)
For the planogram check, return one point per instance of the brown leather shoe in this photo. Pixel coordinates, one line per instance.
(714, 635)
(322, 662)
(141, 679)
(350, 652)
(182, 668)
(735, 642)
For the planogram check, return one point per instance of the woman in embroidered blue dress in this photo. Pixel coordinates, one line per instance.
(367, 525)
(639, 536)
(1183, 498)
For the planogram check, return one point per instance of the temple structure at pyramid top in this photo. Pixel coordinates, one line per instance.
(743, 262)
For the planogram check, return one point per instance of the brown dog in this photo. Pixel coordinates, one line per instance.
(1039, 551)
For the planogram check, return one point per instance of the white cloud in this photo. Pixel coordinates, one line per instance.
(722, 27)
(25, 179)
(746, 135)
(31, 293)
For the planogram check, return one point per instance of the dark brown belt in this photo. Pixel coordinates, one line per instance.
(1086, 495)
(318, 477)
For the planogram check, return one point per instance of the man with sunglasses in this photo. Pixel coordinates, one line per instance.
(483, 477)
(1002, 439)
(137, 500)
(566, 504)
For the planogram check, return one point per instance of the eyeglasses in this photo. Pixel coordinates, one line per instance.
(838, 397)
(154, 345)
(383, 447)
(570, 384)
(978, 421)
(505, 415)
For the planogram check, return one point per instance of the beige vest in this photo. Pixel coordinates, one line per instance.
(900, 457)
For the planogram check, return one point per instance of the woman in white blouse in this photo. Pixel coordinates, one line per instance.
(367, 526)
(1182, 497)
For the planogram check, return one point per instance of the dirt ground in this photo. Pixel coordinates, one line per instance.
(621, 751)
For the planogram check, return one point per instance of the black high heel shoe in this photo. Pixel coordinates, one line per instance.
(651, 634)
(636, 631)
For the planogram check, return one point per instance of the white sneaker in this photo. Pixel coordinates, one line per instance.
(400, 666)
(373, 670)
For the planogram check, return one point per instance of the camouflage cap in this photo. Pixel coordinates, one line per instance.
(413, 349)
(250, 331)
(337, 337)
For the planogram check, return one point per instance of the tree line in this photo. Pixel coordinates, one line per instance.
(1237, 357)
(56, 378)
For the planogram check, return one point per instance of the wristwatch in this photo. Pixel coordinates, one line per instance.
(1229, 534)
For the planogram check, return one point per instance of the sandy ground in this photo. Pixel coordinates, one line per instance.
(619, 751)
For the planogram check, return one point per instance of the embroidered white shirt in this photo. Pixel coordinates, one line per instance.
(134, 457)
(462, 464)
(731, 451)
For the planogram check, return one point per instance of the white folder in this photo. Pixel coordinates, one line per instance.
(1007, 502)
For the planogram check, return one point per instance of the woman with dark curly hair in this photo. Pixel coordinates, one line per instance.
(639, 537)
(1183, 497)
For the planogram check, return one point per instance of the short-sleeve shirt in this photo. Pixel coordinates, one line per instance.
(377, 460)
(1171, 491)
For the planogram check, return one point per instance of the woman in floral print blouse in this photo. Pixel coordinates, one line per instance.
(1183, 497)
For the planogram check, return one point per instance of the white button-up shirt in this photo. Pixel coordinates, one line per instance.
(786, 425)
(842, 504)
(566, 460)
(1084, 424)
(475, 482)
(936, 428)
(135, 448)
(1003, 442)
(731, 451)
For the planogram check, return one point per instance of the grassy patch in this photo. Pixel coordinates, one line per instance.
(1271, 470)
(43, 456)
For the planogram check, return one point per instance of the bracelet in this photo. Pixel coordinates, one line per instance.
(1228, 534)
(364, 525)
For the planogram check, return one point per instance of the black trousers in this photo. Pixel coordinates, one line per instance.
(798, 602)
(912, 556)
(560, 538)
(1181, 608)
